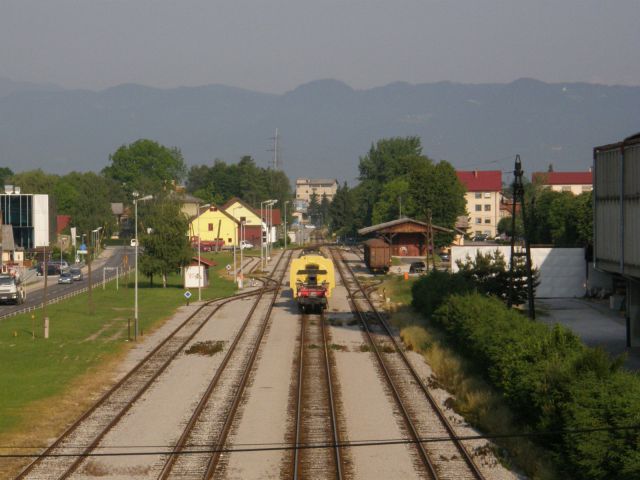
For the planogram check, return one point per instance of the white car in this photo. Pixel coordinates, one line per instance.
(244, 244)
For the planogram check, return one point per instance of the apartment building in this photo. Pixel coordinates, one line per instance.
(484, 191)
(305, 187)
(574, 182)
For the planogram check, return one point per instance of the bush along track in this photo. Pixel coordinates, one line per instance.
(550, 379)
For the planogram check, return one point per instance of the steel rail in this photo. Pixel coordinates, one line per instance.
(105, 397)
(296, 451)
(332, 407)
(426, 460)
(440, 414)
(215, 458)
(182, 441)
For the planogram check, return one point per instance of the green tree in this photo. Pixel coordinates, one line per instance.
(314, 209)
(35, 181)
(393, 194)
(5, 174)
(166, 245)
(145, 166)
(341, 218)
(504, 226)
(325, 205)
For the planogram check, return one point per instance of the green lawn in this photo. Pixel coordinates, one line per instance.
(34, 368)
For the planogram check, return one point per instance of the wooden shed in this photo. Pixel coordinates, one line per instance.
(406, 237)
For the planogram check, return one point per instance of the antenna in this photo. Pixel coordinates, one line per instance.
(277, 162)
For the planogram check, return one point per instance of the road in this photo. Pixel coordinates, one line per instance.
(110, 257)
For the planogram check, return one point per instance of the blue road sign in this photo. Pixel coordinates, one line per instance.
(187, 294)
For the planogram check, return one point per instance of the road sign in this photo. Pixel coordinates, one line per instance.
(228, 267)
(187, 294)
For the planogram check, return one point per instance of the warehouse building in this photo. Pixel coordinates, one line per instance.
(617, 222)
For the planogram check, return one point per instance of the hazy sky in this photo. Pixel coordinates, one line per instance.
(274, 46)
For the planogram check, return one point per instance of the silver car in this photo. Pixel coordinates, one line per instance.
(76, 274)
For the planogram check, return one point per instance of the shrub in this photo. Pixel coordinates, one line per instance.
(553, 381)
(432, 289)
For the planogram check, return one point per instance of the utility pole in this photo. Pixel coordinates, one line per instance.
(518, 197)
(89, 276)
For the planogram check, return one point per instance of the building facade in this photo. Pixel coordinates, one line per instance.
(28, 215)
(484, 192)
(616, 228)
(213, 225)
(574, 182)
(305, 187)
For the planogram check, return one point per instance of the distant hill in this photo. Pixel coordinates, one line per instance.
(324, 125)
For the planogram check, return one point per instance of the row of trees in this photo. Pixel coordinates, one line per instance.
(554, 218)
(397, 179)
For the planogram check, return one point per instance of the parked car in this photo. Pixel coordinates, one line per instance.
(417, 267)
(52, 269)
(444, 257)
(480, 237)
(244, 244)
(76, 274)
(65, 278)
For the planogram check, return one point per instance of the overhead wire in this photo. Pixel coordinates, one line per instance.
(266, 447)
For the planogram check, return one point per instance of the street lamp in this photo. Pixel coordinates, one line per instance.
(199, 261)
(285, 223)
(266, 203)
(95, 240)
(235, 243)
(135, 208)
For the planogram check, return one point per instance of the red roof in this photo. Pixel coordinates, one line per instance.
(481, 180)
(563, 178)
(275, 215)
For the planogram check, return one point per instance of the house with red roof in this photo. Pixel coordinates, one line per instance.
(484, 192)
(574, 182)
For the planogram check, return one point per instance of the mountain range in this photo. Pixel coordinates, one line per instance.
(324, 126)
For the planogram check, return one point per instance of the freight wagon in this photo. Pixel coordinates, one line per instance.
(377, 255)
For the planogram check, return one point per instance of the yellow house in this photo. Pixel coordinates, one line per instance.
(215, 227)
(242, 211)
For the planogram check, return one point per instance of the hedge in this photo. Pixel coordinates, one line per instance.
(550, 379)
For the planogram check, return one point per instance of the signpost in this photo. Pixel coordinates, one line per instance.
(187, 295)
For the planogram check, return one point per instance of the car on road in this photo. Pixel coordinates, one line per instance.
(417, 267)
(52, 269)
(76, 274)
(65, 277)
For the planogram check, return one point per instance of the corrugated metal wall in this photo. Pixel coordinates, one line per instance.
(617, 208)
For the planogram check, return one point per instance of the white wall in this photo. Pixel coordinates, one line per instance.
(562, 270)
(41, 220)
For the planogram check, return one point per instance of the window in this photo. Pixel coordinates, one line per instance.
(211, 227)
(487, 207)
(478, 208)
(487, 220)
(478, 194)
(478, 220)
(229, 240)
(487, 194)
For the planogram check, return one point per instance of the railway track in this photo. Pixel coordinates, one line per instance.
(62, 458)
(315, 417)
(439, 460)
(208, 428)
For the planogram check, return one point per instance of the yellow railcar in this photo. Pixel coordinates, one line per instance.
(312, 280)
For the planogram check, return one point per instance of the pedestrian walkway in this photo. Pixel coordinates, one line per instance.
(593, 322)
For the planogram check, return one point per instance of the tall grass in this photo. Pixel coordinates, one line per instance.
(480, 404)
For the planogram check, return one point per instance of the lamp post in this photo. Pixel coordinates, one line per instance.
(285, 223)
(199, 260)
(235, 243)
(135, 295)
(241, 282)
(266, 204)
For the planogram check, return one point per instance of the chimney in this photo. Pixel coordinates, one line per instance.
(475, 173)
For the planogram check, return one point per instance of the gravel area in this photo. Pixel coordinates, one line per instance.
(262, 418)
(158, 417)
(368, 409)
